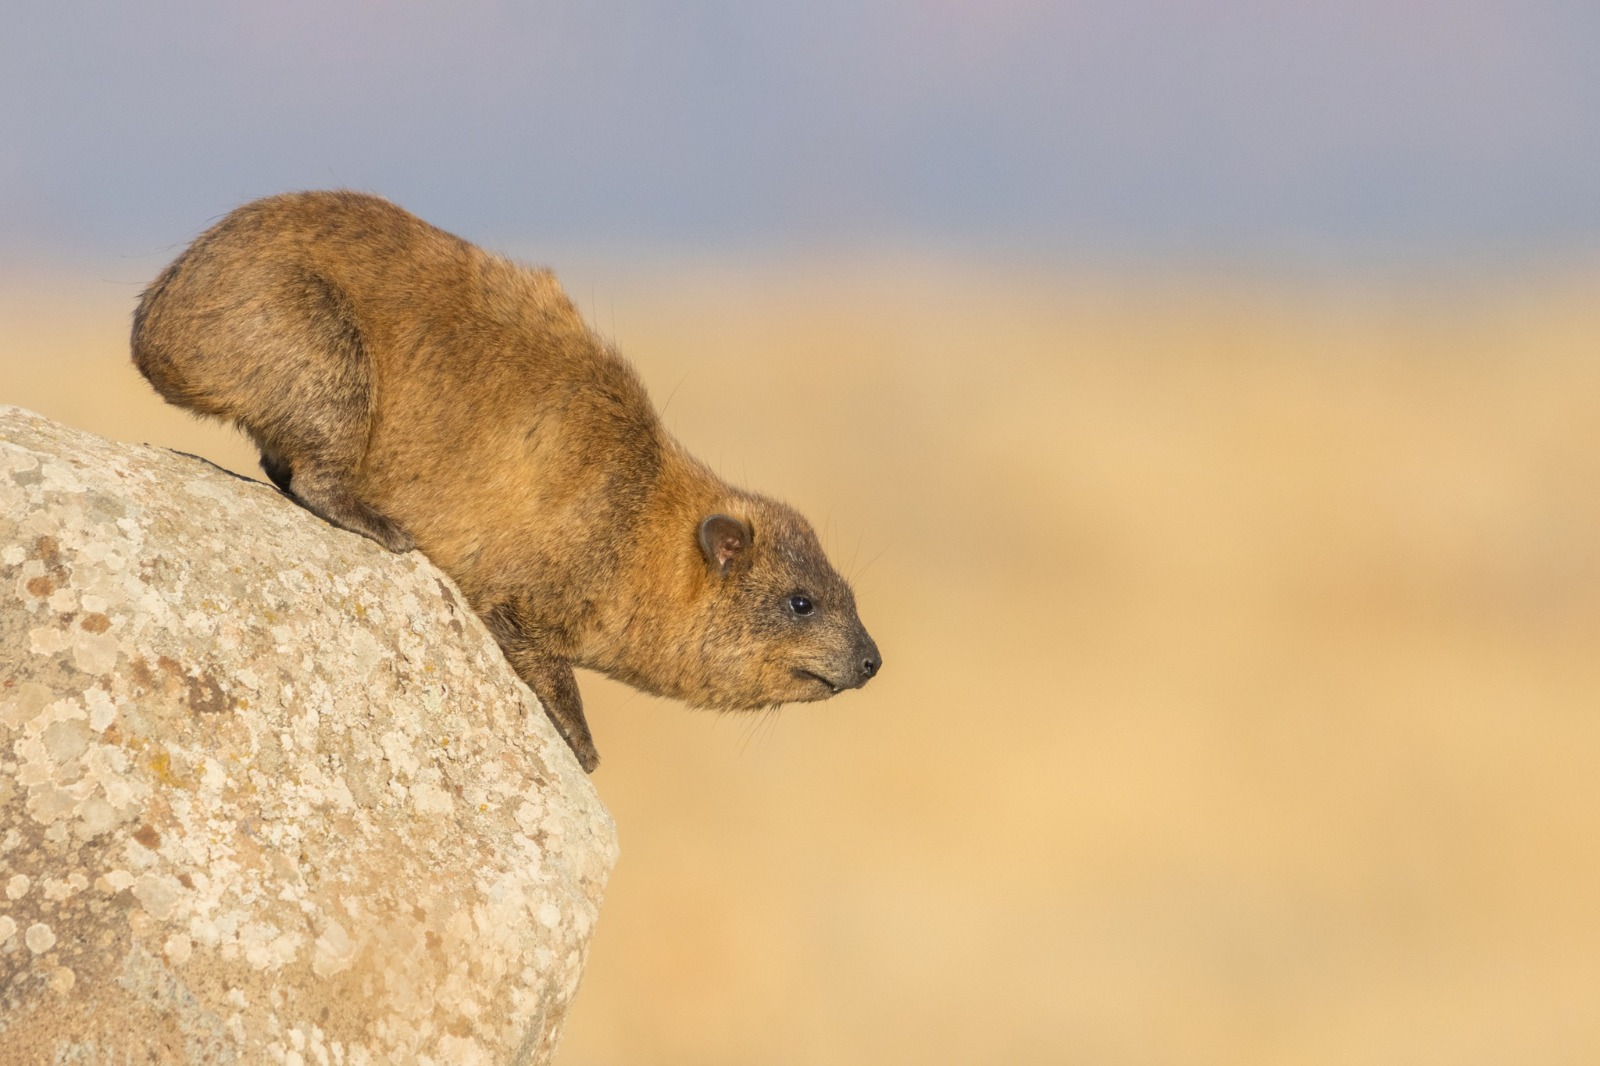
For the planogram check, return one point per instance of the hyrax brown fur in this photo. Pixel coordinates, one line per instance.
(408, 386)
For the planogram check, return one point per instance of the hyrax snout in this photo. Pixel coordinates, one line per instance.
(406, 385)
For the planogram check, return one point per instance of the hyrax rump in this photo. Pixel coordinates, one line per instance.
(408, 386)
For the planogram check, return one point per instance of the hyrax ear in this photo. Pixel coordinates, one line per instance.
(725, 542)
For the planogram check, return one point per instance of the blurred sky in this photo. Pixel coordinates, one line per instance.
(1074, 128)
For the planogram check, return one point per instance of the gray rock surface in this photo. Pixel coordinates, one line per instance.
(267, 792)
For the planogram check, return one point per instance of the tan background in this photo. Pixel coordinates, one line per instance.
(1241, 700)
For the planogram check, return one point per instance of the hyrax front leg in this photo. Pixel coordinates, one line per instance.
(550, 678)
(552, 681)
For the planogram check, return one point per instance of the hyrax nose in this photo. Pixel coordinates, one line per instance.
(871, 662)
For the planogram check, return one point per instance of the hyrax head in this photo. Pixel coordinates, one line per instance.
(779, 624)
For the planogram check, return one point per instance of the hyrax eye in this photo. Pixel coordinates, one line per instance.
(801, 605)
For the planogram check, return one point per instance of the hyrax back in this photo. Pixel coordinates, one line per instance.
(408, 386)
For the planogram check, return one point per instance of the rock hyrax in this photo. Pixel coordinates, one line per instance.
(408, 386)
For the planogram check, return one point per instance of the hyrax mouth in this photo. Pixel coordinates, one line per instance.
(811, 675)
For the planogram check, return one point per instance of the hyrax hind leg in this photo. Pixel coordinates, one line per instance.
(274, 348)
(313, 432)
(323, 488)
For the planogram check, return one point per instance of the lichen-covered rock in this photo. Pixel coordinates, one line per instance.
(267, 792)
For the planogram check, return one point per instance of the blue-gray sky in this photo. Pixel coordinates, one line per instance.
(1073, 127)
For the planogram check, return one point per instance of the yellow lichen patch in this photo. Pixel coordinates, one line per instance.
(160, 765)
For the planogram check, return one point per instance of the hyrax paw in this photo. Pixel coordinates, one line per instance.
(588, 758)
(394, 538)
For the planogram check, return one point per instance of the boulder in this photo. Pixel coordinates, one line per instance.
(268, 793)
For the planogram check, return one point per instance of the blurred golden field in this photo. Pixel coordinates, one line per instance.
(1241, 700)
